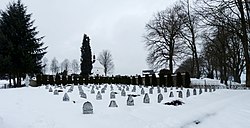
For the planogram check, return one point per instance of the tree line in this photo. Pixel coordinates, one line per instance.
(203, 37)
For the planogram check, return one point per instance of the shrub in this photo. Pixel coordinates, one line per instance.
(179, 81)
(154, 80)
(147, 80)
(139, 80)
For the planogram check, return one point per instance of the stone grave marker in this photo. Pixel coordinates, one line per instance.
(160, 98)
(130, 101)
(134, 89)
(123, 93)
(210, 89)
(194, 92)
(103, 90)
(151, 90)
(46, 86)
(112, 95)
(171, 94)
(187, 93)
(113, 104)
(180, 94)
(158, 89)
(66, 97)
(146, 98)
(56, 92)
(50, 89)
(205, 90)
(98, 96)
(87, 108)
(200, 91)
(127, 88)
(142, 91)
(165, 89)
(92, 90)
(83, 95)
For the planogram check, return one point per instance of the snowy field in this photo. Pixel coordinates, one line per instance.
(30, 107)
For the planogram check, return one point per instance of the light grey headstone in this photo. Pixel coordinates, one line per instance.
(160, 98)
(134, 89)
(83, 95)
(56, 92)
(92, 90)
(113, 104)
(112, 95)
(130, 101)
(180, 94)
(194, 92)
(151, 90)
(171, 94)
(142, 91)
(66, 97)
(46, 86)
(87, 108)
(127, 88)
(123, 93)
(188, 93)
(98, 96)
(50, 89)
(103, 90)
(210, 89)
(146, 98)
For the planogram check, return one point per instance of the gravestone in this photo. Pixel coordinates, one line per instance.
(146, 98)
(66, 97)
(127, 88)
(214, 88)
(151, 90)
(112, 95)
(171, 88)
(142, 91)
(171, 94)
(113, 104)
(134, 89)
(103, 90)
(180, 94)
(111, 88)
(205, 90)
(165, 89)
(92, 90)
(194, 92)
(210, 89)
(47, 87)
(56, 92)
(200, 91)
(158, 89)
(188, 93)
(130, 101)
(83, 95)
(50, 89)
(181, 87)
(160, 98)
(98, 96)
(123, 93)
(87, 108)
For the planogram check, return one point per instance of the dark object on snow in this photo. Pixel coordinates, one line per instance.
(133, 95)
(175, 103)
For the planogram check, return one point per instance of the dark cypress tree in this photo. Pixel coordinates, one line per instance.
(26, 49)
(154, 80)
(86, 57)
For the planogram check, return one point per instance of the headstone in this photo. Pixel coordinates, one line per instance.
(50, 89)
(194, 92)
(46, 86)
(210, 89)
(181, 87)
(151, 90)
(92, 90)
(171, 88)
(180, 94)
(112, 95)
(165, 89)
(127, 88)
(205, 90)
(171, 94)
(214, 88)
(130, 101)
(158, 89)
(188, 93)
(113, 104)
(146, 98)
(142, 91)
(56, 92)
(98, 96)
(103, 90)
(160, 98)
(134, 89)
(200, 91)
(111, 88)
(87, 108)
(123, 93)
(66, 97)
(83, 95)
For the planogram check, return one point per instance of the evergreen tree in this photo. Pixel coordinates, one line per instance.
(86, 57)
(26, 49)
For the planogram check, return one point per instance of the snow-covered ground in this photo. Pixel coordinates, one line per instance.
(29, 107)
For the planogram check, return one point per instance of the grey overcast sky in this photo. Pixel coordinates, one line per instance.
(115, 25)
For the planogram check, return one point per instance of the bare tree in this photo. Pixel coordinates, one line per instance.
(54, 67)
(65, 65)
(45, 65)
(75, 66)
(106, 60)
(163, 37)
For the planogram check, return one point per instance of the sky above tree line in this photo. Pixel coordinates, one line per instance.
(115, 25)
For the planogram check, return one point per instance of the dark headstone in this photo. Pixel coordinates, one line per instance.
(142, 91)
(151, 90)
(92, 90)
(87, 108)
(200, 91)
(130, 101)
(146, 98)
(171, 94)
(194, 92)
(160, 98)
(134, 89)
(113, 104)
(180, 94)
(83, 95)
(66, 97)
(112, 95)
(50, 89)
(165, 89)
(188, 93)
(56, 92)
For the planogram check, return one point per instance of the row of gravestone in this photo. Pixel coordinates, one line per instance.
(130, 102)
